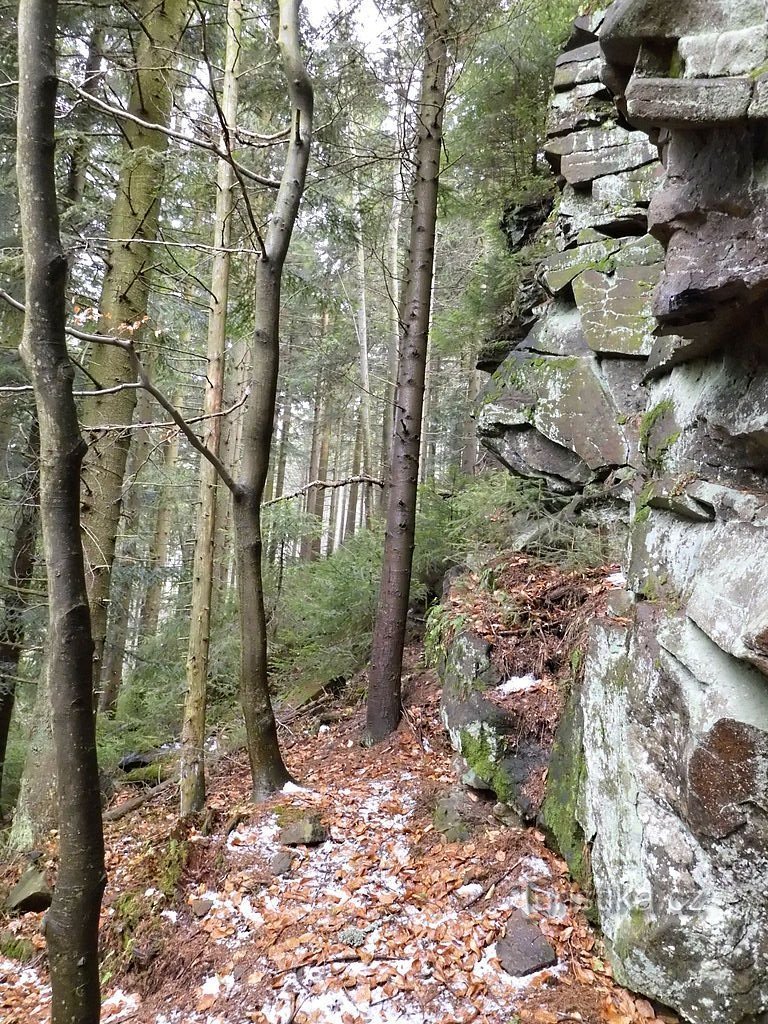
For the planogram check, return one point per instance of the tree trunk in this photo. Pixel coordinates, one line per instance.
(268, 772)
(332, 512)
(365, 377)
(469, 448)
(125, 293)
(322, 474)
(72, 923)
(16, 598)
(314, 462)
(384, 692)
(192, 781)
(158, 551)
(78, 160)
(393, 340)
(121, 591)
(351, 521)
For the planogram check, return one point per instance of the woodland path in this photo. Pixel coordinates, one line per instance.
(382, 923)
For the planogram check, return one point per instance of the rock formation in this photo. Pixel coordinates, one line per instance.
(644, 384)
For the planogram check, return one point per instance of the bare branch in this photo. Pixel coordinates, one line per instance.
(171, 133)
(326, 485)
(144, 381)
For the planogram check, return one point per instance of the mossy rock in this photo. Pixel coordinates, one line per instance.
(559, 816)
(14, 947)
(151, 775)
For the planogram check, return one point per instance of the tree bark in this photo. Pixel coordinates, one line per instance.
(384, 692)
(393, 340)
(122, 589)
(314, 462)
(125, 293)
(469, 447)
(19, 578)
(192, 778)
(72, 923)
(322, 474)
(351, 518)
(161, 537)
(268, 772)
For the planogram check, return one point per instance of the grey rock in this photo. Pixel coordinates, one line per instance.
(31, 894)
(306, 830)
(523, 950)
(201, 908)
(281, 862)
(450, 820)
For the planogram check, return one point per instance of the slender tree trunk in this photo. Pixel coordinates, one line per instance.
(332, 512)
(17, 594)
(72, 923)
(314, 462)
(384, 693)
(125, 294)
(362, 341)
(268, 772)
(122, 589)
(161, 538)
(322, 474)
(351, 519)
(78, 160)
(393, 340)
(192, 783)
(469, 448)
(237, 378)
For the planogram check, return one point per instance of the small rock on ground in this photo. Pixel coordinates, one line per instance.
(523, 949)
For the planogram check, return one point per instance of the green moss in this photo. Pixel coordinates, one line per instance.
(16, 948)
(482, 754)
(151, 775)
(631, 935)
(171, 867)
(565, 782)
(643, 514)
(676, 65)
(655, 451)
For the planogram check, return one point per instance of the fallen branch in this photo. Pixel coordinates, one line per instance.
(326, 485)
(115, 813)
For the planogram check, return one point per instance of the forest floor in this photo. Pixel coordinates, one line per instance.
(383, 922)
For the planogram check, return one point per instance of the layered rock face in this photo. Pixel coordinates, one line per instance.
(645, 381)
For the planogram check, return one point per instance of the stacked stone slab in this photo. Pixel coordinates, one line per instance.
(564, 405)
(650, 362)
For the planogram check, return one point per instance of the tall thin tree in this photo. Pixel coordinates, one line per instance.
(192, 784)
(384, 693)
(72, 922)
(268, 771)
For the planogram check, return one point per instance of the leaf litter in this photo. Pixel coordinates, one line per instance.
(383, 923)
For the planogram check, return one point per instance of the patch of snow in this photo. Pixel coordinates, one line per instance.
(471, 891)
(616, 579)
(118, 1006)
(323, 730)
(515, 684)
(291, 787)
(170, 915)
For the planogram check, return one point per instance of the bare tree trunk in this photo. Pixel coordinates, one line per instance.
(384, 692)
(268, 771)
(322, 474)
(393, 340)
(192, 781)
(125, 294)
(72, 923)
(237, 377)
(158, 550)
(314, 461)
(78, 160)
(469, 448)
(335, 500)
(351, 520)
(362, 342)
(17, 593)
(122, 589)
